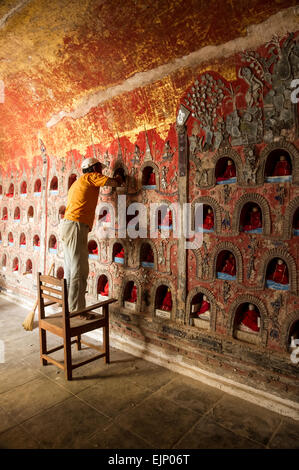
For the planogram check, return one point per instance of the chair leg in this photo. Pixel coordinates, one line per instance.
(79, 343)
(106, 343)
(43, 345)
(67, 359)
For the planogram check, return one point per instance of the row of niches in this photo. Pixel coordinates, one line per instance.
(248, 325)
(278, 169)
(277, 275)
(28, 214)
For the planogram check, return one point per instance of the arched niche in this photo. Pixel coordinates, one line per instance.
(52, 244)
(61, 212)
(54, 185)
(291, 219)
(271, 154)
(194, 303)
(29, 267)
(104, 286)
(278, 167)
(93, 249)
(71, 179)
(163, 217)
(122, 170)
(60, 273)
(23, 188)
(244, 214)
(290, 332)
(131, 294)
(22, 240)
(30, 214)
(11, 190)
(36, 242)
(237, 313)
(219, 256)
(37, 188)
(17, 214)
(149, 176)
(15, 265)
(10, 239)
(148, 255)
(4, 261)
(220, 163)
(207, 203)
(277, 274)
(226, 266)
(119, 253)
(272, 256)
(4, 213)
(160, 289)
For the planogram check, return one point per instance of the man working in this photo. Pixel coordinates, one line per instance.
(78, 221)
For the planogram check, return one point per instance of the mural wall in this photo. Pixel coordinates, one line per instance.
(228, 300)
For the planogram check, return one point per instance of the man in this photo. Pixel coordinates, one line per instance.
(78, 221)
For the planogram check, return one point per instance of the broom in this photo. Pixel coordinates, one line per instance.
(28, 322)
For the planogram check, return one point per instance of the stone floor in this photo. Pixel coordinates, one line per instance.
(129, 404)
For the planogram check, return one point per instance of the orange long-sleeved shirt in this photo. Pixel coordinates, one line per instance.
(83, 197)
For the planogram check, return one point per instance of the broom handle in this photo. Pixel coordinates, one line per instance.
(49, 272)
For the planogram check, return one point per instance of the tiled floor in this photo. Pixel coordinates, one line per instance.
(129, 404)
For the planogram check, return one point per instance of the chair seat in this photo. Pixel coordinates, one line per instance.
(54, 323)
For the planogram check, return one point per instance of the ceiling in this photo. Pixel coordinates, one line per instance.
(55, 54)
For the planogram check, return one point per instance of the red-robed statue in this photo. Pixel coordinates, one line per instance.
(133, 297)
(150, 257)
(204, 307)
(229, 265)
(208, 222)
(167, 302)
(282, 167)
(167, 221)
(106, 289)
(151, 179)
(120, 254)
(250, 318)
(229, 172)
(255, 221)
(280, 273)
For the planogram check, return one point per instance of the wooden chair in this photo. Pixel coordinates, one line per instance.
(68, 325)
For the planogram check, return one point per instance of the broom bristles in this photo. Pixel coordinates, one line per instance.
(28, 322)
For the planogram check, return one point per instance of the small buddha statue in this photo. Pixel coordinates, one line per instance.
(106, 289)
(229, 172)
(23, 240)
(151, 179)
(120, 254)
(10, 238)
(95, 251)
(5, 217)
(16, 267)
(282, 167)
(167, 221)
(37, 188)
(133, 297)
(208, 222)
(204, 307)
(55, 246)
(255, 221)
(167, 301)
(149, 257)
(229, 266)
(280, 273)
(250, 318)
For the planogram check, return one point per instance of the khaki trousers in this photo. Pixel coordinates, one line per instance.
(74, 236)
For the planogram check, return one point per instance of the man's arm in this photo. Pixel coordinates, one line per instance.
(114, 182)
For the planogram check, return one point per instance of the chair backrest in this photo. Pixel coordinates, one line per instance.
(51, 291)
